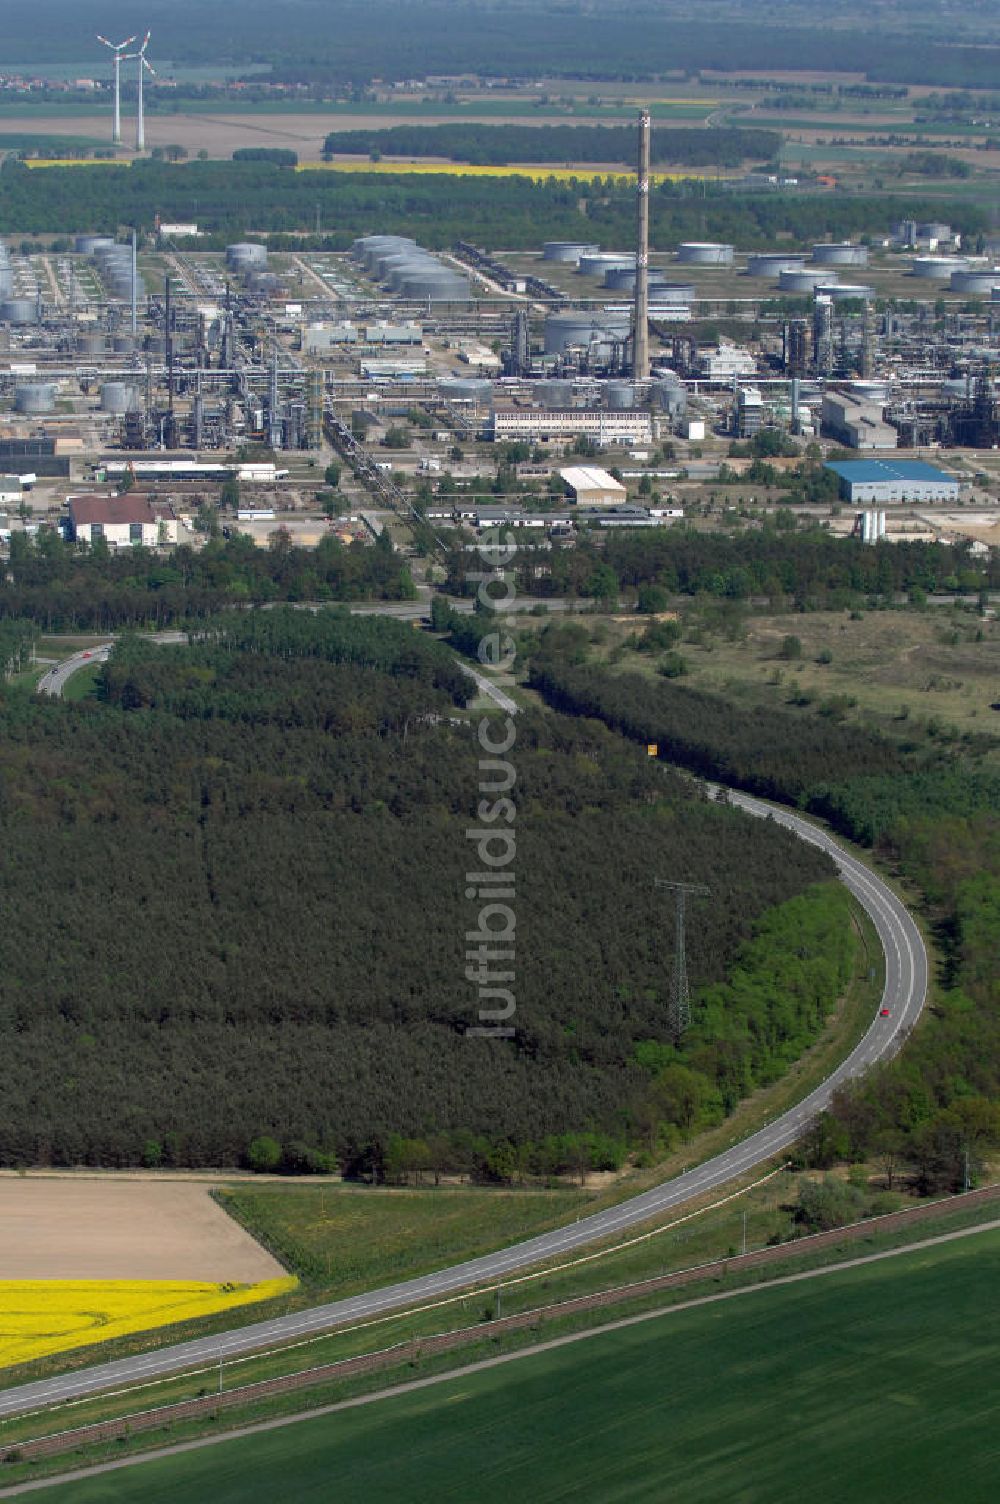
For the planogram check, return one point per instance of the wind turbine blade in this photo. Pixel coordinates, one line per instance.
(148, 66)
(106, 42)
(128, 41)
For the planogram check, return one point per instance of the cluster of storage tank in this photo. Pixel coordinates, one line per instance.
(113, 260)
(248, 261)
(409, 270)
(14, 310)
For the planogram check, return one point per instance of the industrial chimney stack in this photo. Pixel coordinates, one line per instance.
(640, 329)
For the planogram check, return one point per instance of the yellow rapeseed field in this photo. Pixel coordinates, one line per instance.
(467, 170)
(42, 1316)
(74, 162)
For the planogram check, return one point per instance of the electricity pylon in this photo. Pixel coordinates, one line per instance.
(679, 1014)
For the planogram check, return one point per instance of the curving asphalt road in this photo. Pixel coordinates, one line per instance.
(904, 995)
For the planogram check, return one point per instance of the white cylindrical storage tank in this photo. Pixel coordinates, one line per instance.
(802, 281)
(672, 292)
(978, 282)
(466, 388)
(843, 254)
(35, 397)
(844, 292)
(553, 393)
(118, 397)
(19, 311)
(91, 344)
(88, 245)
(246, 253)
(597, 263)
(622, 279)
(568, 251)
(937, 268)
(705, 253)
(619, 395)
(564, 331)
(671, 396)
(773, 263)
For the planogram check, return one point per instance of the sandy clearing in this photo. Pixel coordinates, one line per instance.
(59, 1229)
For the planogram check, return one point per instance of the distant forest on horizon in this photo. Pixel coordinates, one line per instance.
(350, 44)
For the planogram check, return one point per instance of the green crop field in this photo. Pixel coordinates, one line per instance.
(872, 1384)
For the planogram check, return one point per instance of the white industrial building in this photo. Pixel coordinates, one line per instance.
(726, 361)
(121, 521)
(856, 423)
(628, 428)
(592, 487)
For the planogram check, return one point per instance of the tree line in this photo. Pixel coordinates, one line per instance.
(500, 144)
(229, 199)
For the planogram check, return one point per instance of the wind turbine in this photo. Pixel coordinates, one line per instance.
(145, 66)
(118, 51)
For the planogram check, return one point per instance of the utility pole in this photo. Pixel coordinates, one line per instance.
(679, 1015)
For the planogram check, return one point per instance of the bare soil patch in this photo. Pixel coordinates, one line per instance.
(99, 1229)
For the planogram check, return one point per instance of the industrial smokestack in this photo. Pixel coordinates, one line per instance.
(640, 320)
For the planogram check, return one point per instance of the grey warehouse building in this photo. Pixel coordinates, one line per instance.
(877, 482)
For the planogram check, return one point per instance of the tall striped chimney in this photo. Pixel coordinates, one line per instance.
(640, 319)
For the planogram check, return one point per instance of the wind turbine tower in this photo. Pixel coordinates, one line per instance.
(118, 53)
(145, 66)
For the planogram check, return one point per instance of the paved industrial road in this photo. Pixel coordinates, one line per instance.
(905, 991)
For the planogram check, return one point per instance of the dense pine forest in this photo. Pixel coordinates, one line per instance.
(235, 910)
(62, 588)
(500, 144)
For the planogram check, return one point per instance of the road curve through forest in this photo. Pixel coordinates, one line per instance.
(906, 976)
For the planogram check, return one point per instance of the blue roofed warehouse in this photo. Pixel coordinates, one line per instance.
(878, 482)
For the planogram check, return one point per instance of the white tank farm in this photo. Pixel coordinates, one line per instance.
(844, 292)
(568, 251)
(803, 281)
(977, 282)
(772, 264)
(937, 268)
(705, 253)
(845, 253)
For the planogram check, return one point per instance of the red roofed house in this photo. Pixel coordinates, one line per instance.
(122, 521)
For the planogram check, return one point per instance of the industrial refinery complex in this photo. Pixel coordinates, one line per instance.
(144, 360)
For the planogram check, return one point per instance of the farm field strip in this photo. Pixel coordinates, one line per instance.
(874, 1372)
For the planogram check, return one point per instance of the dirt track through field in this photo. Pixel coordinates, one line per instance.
(97, 1229)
